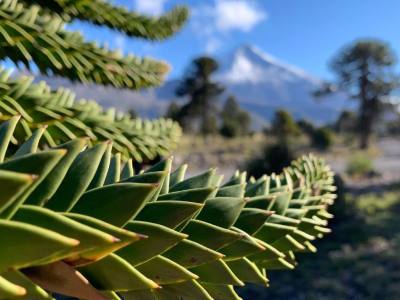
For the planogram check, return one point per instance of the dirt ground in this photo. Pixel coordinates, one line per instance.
(229, 155)
(386, 161)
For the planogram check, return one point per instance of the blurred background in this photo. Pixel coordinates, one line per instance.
(255, 84)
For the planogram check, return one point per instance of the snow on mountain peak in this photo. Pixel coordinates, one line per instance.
(260, 82)
(248, 64)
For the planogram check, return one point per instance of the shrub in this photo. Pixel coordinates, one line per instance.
(284, 126)
(322, 138)
(306, 126)
(360, 165)
(274, 159)
(235, 120)
(230, 129)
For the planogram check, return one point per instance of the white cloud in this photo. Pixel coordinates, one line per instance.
(237, 15)
(214, 23)
(151, 7)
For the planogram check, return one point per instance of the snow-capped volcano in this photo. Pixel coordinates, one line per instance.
(260, 82)
(263, 83)
(248, 64)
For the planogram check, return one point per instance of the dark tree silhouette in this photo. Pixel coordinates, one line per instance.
(364, 70)
(203, 93)
(235, 121)
(284, 126)
(172, 111)
(346, 122)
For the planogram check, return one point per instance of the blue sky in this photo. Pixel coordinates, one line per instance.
(305, 33)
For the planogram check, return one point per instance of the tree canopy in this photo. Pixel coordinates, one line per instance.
(364, 69)
(202, 93)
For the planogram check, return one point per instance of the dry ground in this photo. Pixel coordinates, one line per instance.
(231, 154)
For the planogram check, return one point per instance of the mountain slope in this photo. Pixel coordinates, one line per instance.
(260, 82)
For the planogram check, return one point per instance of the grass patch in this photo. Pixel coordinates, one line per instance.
(359, 260)
(360, 165)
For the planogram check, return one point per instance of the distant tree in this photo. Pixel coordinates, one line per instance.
(132, 113)
(230, 107)
(209, 125)
(274, 159)
(322, 138)
(284, 126)
(276, 156)
(244, 118)
(172, 111)
(202, 92)
(229, 129)
(306, 126)
(364, 70)
(346, 122)
(392, 127)
(235, 121)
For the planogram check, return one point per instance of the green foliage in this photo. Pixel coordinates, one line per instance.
(274, 159)
(369, 204)
(172, 111)
(67, 217)
(230, 129)
(35, 34)
(306, 126)
(284, 126)
(359, 261)
(209, 125)
(322, 138)
(67, 118)
(132, 113)
(116, 17)
(75, 219)
(364, 69)
(359, 165)
(235, 121)
(29, 34)
(346, 122)
(199, 113)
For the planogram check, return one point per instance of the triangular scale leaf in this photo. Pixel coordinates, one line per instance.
(113, 273)
(52, 181)
(168, 213)
(79, 176)
(199, 181)
(190, 254)
(116, 203)
(40, 164)
(13, 184)
(24, 244)
(165, 271)
(160, 239)
(221, 211)
(217, 272)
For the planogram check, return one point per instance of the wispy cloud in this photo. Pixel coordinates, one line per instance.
(217, 21)
(151, 7)
(237, 15)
